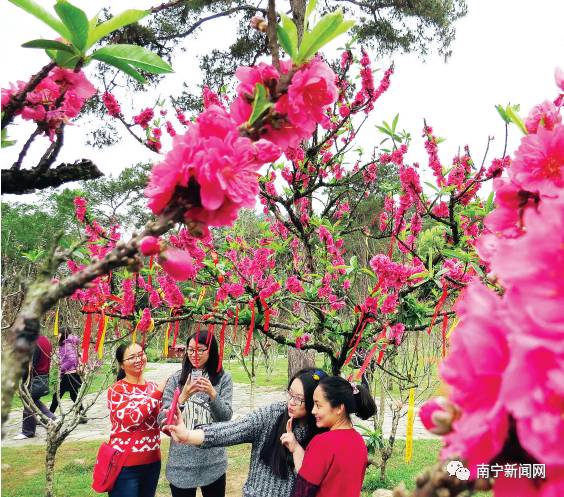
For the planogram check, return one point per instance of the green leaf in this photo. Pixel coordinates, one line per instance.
(395, 122)
(312, 4)
(6, 142)
(120, 64)
(260, 104)
(368, 272)
(502, 113)
(64, 59)
(117, 22)
(512, 115)
(490, 202)
(328, 28)
(76, 22)
(434, 187)
(40, 13)
(288, 36)
(49, 45)
(136, 56)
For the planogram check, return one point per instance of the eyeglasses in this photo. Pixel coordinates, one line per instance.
(139, 356)
(191, 351)
(295, 399)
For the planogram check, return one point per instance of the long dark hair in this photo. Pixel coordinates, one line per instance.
(273, 453)
(203, 338)
(120, 352)
(339, 391)
(64, 333)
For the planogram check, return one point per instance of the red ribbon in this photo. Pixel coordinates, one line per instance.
(438, 307)
(366, 362)
(443, 332)
(221, 345)
(358, 338)
(391, 248)
(150, 277)
(86, 337)
(266, 314)
(175, 335)
(236, 323)
(381, 354)
(251, 329)
(197, 342)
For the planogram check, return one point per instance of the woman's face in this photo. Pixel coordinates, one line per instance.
(296, 400)
(134, 360)
(201, 349)
(326, 416)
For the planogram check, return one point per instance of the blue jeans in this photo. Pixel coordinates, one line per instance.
(137, 481)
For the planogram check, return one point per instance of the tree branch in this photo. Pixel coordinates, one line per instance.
(20, 181)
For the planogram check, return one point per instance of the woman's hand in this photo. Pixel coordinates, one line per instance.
(288, 439)
(181, 434)
(189, 389)
(204, 385)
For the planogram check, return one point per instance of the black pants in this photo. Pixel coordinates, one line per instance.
(215, 489)
(70, 382)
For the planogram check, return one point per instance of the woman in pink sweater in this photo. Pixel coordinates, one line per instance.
(134, 404)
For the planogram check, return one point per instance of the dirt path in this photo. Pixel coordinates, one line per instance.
(98, 425)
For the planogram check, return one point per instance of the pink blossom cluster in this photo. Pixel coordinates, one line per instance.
(302, 340)
(58, 98)
(80, 208)
(293, 285)
(128, 305)
(213, 157)
(513, 344)
(391, 275)
(172, 294)
(111, 103)
(433, 152)
(144, 117)
(145, 322)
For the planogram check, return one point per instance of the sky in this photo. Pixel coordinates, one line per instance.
(504, 51)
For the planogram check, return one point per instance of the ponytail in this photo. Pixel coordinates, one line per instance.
(356, 399)
(365, 407)
(120, 374)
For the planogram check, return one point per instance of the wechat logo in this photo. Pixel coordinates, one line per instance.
(456, 468)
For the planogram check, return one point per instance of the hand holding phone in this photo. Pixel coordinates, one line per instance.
(195, 375)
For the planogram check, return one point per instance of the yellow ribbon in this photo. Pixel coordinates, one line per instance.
(103, 338)
(167, 333)
(56, 323)
(202, 295)
(454, 325)
(409, 427)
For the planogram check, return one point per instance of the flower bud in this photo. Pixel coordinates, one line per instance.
(259, 24)
(438, 414)
(177, 263)
(150, 245)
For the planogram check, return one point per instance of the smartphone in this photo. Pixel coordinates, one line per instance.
(173, 407)
(196, 373)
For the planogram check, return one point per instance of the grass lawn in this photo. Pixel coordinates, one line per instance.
(23, 473)
(23, 469)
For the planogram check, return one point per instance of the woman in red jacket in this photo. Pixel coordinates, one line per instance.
(334, 463)
(134, 404)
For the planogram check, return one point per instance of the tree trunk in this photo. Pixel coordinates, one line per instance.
(299, 359)
(53, 443)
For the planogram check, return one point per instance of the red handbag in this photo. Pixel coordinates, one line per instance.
(109, 462)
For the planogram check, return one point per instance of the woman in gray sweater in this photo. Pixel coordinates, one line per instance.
(205, 397)
(271, 471)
